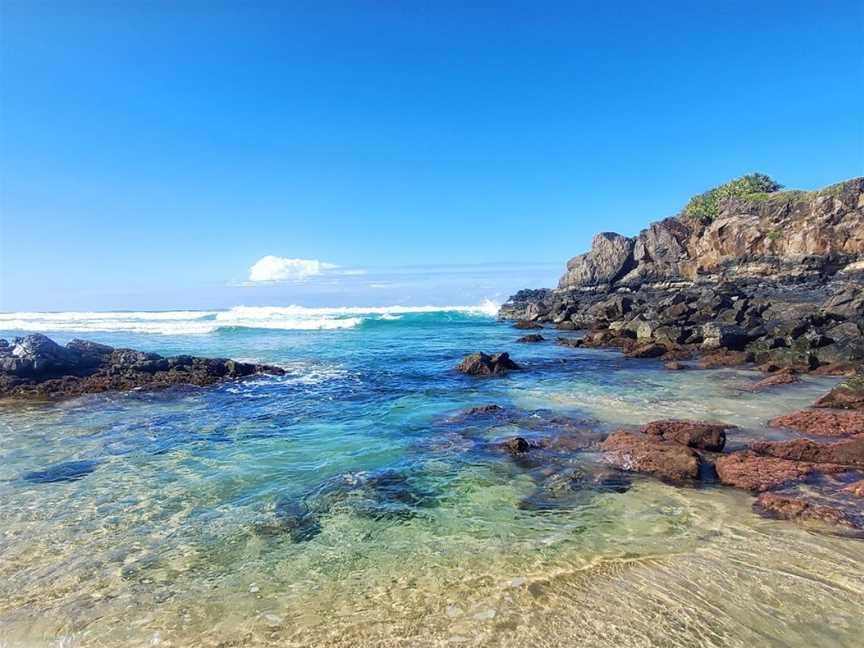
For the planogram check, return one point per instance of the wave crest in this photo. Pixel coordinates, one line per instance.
(239, 317)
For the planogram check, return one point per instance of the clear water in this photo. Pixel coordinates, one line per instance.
(177, 525)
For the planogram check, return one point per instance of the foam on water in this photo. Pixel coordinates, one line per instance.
(288, 318)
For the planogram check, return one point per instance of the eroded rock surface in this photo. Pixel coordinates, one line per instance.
(482, 364)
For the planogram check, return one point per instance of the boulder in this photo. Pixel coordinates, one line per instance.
(40, 357)
(651, 455)
(525, 324)
(694, 434)
(482, 364)
(531, 338)
(610, 258)
(822, 422)
(650, 350)
(723, 358)
(848, 452)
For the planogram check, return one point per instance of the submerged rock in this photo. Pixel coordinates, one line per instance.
(482, 364)
(652, 455)
(37, 367)
(66, 471)
(694, 434)
(782, 377)
(789, 507)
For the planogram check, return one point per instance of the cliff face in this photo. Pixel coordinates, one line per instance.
(787, 236)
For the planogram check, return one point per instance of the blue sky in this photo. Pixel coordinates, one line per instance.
(152, 152)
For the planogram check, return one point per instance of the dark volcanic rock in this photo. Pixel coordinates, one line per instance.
(482, 364)
(731, 285)
(694, 434)
(37, 367)
(531, 338)
(525, 324)
(517, 445)
(822, 422)
(491, 408)
(651, 455)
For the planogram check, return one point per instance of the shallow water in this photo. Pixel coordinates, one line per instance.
(347, 504)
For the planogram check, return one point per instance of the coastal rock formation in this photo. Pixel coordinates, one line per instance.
(37, 367)
(773, 278)
(482, 364)
(787, 507)
(652, 455)
(531, 338)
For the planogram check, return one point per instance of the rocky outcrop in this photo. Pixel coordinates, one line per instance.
(774, 279)
(790, 232)
(37, 367)
(482, 364)
(788, 507)
(530, 339)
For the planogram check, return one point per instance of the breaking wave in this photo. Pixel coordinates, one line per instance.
(239, 317)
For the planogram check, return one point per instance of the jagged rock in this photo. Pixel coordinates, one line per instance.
(491, 408)
(610, 257)
(651, 455)
(37, 367)
(822, 422)
(482, 364)
(723, 358)
(694, 434)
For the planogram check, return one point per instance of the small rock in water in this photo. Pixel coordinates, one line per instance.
(254, 589)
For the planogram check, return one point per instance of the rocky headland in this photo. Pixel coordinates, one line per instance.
(36, 367)
(746, 274)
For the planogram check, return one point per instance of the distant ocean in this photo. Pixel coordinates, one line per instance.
(352, 502)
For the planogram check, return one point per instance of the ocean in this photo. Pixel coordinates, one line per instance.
(352, 502)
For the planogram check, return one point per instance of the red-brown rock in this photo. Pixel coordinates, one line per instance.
(849, 452)
(758, 473)
(782, 377)
(694, 434)
(822, 422)
(650, 350)
(786, 507)
(654, 456)
(723, 358)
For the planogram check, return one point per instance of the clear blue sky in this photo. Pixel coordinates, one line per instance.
(152, 152)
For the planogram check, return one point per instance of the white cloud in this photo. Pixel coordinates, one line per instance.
(273, 268)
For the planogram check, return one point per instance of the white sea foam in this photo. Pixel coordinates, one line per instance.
(204, 322)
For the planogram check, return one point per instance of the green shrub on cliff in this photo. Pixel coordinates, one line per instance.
(705, 207)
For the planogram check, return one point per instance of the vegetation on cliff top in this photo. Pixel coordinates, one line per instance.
(706, 206)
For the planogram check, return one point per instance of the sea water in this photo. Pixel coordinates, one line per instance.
(350, 503)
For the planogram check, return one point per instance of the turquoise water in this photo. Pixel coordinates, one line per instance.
(349, 503)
